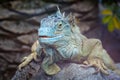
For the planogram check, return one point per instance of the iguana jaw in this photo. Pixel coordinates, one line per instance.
(49, 39)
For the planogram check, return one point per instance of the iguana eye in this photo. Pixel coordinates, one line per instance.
(59, 26)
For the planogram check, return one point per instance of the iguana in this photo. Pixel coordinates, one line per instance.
(60, 39)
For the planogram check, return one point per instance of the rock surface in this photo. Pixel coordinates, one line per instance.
(69, 71)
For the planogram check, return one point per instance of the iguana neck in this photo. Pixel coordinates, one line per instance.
(69, 47)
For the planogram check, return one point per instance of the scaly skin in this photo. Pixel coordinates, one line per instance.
(60, 39)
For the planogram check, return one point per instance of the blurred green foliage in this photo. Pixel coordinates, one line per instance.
(111, 14)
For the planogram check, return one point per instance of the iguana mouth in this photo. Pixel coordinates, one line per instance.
(44, 37)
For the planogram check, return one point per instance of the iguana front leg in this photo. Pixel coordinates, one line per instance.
(33, 55)
(49, 66)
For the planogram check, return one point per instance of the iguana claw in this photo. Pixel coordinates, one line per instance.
(98, 63)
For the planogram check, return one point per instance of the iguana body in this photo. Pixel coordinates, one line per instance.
(60, 39)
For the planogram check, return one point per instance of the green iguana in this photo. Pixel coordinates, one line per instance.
(60, 39)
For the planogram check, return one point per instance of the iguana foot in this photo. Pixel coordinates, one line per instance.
(27, 60)
(98, 63)
(52, 69)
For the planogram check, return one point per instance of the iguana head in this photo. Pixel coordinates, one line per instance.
(54, 28)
